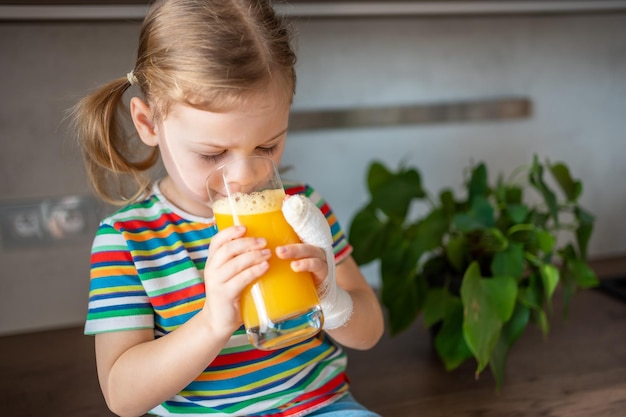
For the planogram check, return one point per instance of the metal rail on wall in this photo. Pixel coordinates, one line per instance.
(489, 109)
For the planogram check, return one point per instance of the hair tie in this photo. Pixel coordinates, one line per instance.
(132, 79)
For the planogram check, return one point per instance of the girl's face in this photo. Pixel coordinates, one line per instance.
(194, 142)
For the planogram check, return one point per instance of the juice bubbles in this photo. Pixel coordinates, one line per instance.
(281, 307)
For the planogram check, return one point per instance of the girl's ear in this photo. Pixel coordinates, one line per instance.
(142, 119)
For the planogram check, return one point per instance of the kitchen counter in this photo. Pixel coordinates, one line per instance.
(579, 370)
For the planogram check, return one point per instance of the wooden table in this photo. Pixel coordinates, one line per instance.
(580, 370)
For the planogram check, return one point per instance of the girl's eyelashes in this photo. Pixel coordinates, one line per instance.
(215, 158)
(268, 150)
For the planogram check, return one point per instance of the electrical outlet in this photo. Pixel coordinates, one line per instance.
(48, 221)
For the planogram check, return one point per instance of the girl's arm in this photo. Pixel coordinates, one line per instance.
(366, 324)
(137, 372)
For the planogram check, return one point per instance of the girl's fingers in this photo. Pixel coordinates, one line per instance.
(306, 258)
(249, 275)
(316, 266)
(233, 287)
(233, 262)
(245, 266)
(300, 251)
(230, 243)
(227, 234)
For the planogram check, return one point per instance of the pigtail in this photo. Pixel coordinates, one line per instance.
(102, 125)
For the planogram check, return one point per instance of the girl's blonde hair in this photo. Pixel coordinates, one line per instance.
(209, 54)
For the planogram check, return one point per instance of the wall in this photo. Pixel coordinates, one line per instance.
(572, 67)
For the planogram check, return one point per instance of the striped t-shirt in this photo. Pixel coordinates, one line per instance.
(146, 273)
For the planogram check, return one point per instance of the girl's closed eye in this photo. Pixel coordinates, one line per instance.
(217, 157)
(269, 150)
(213, 158)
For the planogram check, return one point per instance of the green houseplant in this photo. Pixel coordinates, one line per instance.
(480, 267)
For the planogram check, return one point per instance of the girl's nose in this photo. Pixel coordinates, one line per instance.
(245, 175)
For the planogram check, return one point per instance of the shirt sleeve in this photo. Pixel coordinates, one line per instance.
(117, 298)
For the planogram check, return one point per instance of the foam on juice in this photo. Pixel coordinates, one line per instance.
(253, 203)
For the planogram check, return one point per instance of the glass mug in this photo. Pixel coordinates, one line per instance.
(282, 307)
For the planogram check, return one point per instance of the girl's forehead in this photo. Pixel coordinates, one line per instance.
(255, 107)
(254, 123)
(269, 94)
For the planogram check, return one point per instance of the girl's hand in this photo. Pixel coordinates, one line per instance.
(306, 258)
(233, 262)
(317, 256)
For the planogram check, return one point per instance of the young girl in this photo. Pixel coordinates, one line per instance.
(216, 80)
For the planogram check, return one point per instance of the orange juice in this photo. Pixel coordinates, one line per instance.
(283, 293)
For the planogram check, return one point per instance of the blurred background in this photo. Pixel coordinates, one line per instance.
(570, 65)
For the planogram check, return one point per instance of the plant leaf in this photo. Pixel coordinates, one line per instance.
(488, 303)
(536, 179)
(550, 279)
(377, 176)
(511, 331)
(434, 306)
(492, 240)
(523, 229)
(570, 187)
(430, 231)
(449, 341)
(509, 262)
(545, 240)
(583, 275)
(447, 202)
(514, 195)
(584, 230)
(400, 290)
(367, 234)
(517, 212)
(477, 186)
(456, 250)
(530, 296)
(392, 193)
(533, 296)
(479, 216)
